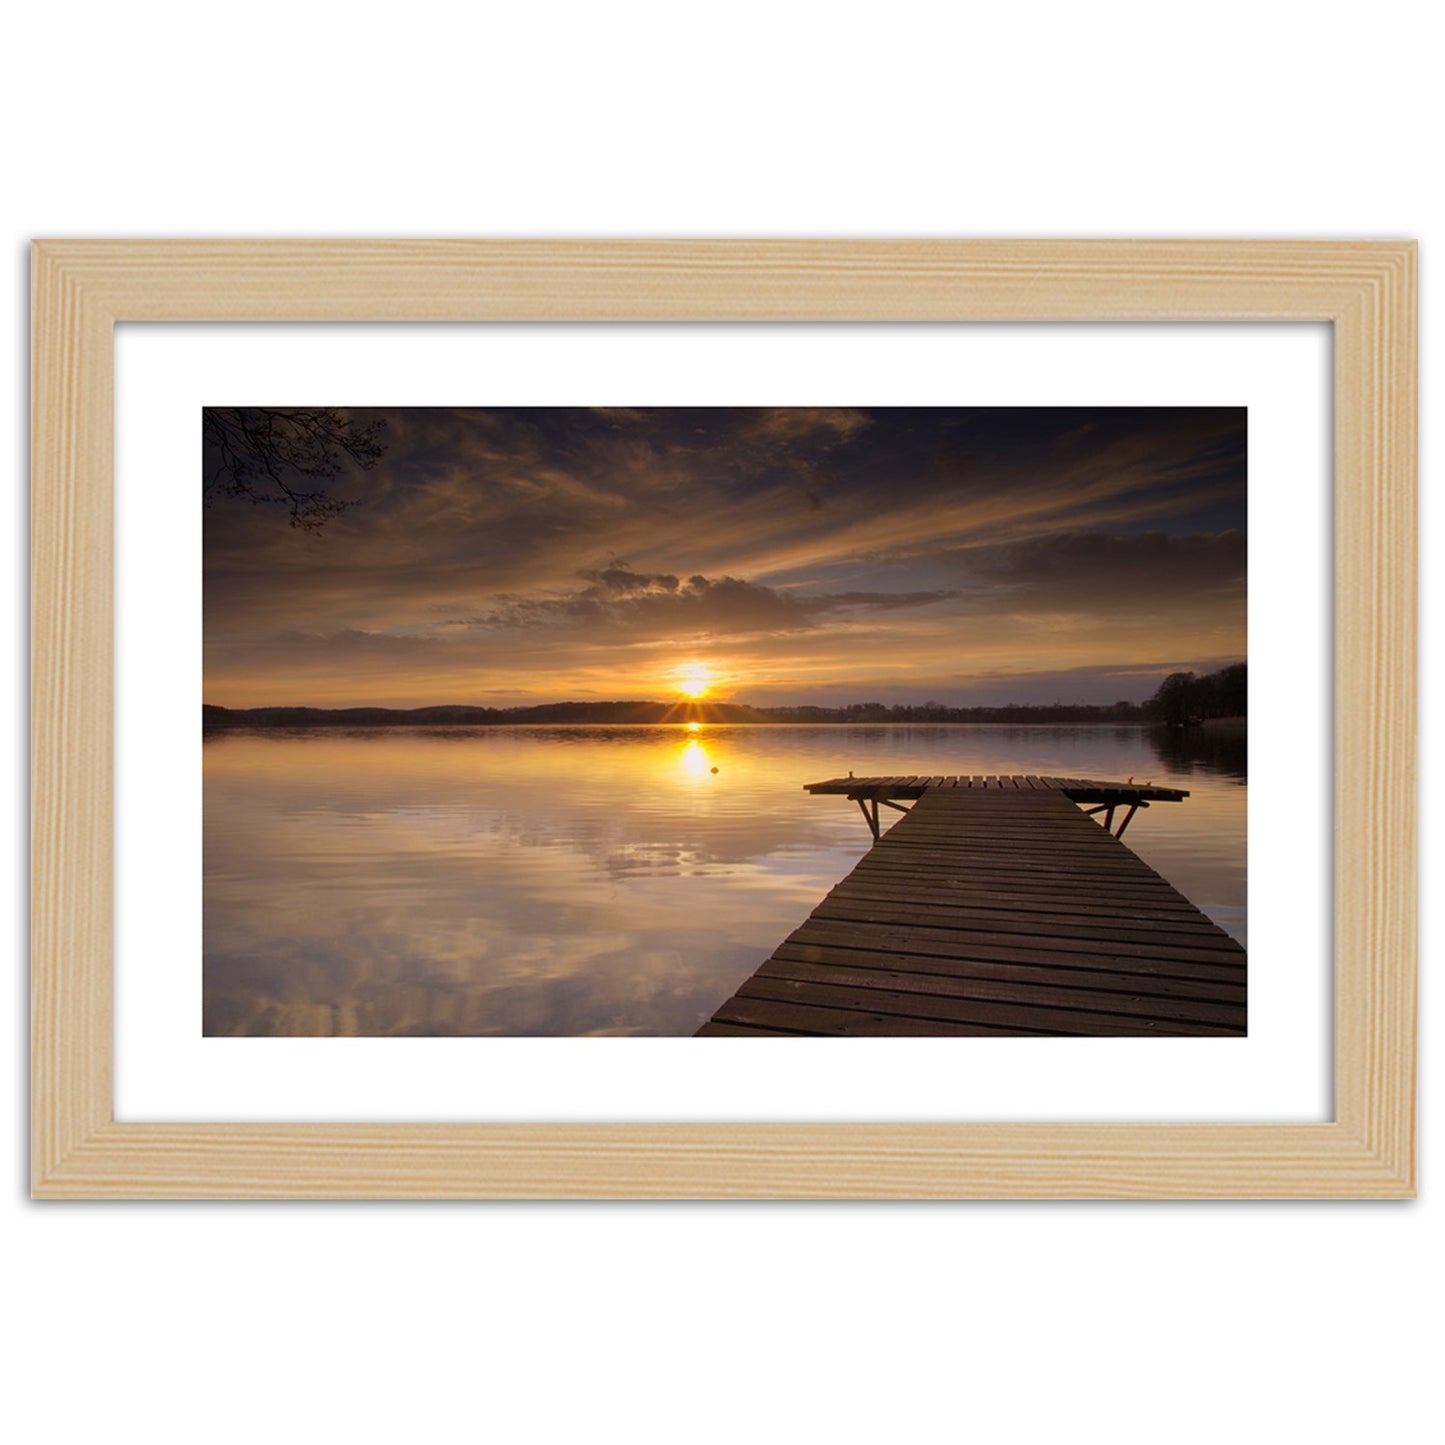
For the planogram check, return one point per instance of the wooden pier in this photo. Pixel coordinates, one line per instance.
(997, 906)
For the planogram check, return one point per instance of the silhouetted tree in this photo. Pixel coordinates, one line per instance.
(1183, 697)
(270, 456)
(1173, 701)
(1232, 687)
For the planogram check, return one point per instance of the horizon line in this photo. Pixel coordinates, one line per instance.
(673, 704)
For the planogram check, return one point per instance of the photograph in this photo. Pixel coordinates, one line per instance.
(551, 545)
(735, 722)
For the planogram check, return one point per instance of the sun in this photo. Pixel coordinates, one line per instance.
(695, 680)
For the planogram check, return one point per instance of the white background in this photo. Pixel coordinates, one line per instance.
(708, 1322)
(166, 1070)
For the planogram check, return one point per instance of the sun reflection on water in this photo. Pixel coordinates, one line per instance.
(696, 762)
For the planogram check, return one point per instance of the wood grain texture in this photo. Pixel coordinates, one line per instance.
(1367, 290)
(1375, 709)
(906, 956)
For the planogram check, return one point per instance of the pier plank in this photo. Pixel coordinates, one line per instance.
(1010, 990)
(1061, 953)
(1199, 935)
(1083, 906)
(995, 906)
(976, 1012)
(917, 929)
(780, 1017)
(1086, 973)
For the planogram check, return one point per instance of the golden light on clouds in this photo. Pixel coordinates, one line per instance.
(766, 556)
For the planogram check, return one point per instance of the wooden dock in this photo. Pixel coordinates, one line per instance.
(997, 906)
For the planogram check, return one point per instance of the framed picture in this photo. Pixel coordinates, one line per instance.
(814, 439)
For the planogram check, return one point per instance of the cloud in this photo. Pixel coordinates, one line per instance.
(791, 426)
(583, 543)
(1085, 569)
(519, 502)
(355, 640)
(886, 601)
(619, 580)
(630, 603)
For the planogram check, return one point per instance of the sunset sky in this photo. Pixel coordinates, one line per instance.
(767, 556)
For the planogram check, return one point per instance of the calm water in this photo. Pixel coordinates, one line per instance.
(591, 880)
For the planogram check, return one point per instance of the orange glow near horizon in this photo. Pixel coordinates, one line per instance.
(695, 681)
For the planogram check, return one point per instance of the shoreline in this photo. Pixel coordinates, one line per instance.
(1228, 727)
(215, 718)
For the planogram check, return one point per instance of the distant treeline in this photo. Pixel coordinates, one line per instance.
(1184, 698)
(1181, 698)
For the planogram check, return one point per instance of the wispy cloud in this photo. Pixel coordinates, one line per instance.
(575, 542)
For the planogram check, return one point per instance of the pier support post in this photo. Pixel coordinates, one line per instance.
(871, 818)
(1134, 808)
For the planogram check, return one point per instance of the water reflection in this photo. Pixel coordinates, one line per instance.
(591, 880)
(696, 763)
(1209, 749)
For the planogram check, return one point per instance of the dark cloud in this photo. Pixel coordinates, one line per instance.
(805, 426)
(806, 540)
(886, 601)
(658, 604)
(620, 581)
(1088, 568)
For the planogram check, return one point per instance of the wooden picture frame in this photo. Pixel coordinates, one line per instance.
(1365, 290)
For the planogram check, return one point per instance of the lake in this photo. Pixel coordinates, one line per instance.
(596, 880)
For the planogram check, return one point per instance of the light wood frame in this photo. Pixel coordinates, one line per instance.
(1366, 290)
